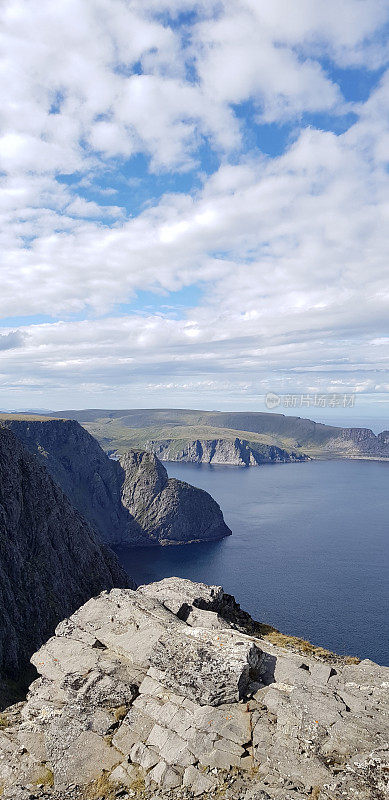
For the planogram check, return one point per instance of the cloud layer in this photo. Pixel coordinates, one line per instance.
(232, 148)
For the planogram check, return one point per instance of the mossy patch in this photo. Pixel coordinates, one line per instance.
(120, 712)
(44, 776)
(100, 788)
(103, 789)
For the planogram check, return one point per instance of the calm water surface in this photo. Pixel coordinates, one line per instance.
(309, 552)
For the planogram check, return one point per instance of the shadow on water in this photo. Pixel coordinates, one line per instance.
(148, 564)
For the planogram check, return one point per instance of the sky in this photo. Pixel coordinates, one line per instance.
(195, 204)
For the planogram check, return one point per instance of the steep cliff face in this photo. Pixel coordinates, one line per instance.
(50, 558)
(356, 442)
(169, 692)
(168, 511)
(80, 467)
(237, 452)
(127, 502)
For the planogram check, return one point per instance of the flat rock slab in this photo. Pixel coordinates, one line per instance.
(207, 667)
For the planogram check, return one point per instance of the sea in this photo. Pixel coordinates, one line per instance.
(309, 552)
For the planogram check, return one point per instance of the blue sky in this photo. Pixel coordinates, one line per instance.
(195, 203)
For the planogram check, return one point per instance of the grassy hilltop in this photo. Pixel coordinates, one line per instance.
(117, 430)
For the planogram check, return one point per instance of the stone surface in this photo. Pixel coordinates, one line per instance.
(197, 781)
(125, 775)
(208, 667)
(165, 776)
(113, 703)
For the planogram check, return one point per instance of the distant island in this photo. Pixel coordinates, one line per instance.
(226, 437)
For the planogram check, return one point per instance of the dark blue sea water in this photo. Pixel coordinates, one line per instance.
(309, 552)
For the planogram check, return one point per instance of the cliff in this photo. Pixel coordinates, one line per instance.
(50, 558)
(76, 462)
(182, 429)
(237, 452)
(170, 691)
(168, 511)
(156, 511)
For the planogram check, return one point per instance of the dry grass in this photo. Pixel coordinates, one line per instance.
(27, 417)
(44, 777)
(100, 788)
(298, 645)
(103, 789)
(120, 712)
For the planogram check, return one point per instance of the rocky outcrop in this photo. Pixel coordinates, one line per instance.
(167, 511)
(135, 701)
(127, 502)
(50, 558)
(357, 442)
(237, 452)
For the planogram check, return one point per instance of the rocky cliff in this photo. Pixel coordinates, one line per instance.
(80, 467)
(50, 558)
(357, 442)
(170, 692)
(174, 428)
(167, 511)
(127, 502)
(237, 452)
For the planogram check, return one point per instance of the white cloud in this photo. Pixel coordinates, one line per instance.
(290, 252)
(8, 341)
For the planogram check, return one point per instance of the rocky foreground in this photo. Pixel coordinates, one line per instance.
(169, 692)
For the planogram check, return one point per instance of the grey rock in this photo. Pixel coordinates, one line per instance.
(209, 668)
(50, 558)
(165, 776)
(145, 756)
(134, 728)
(314, 731)
(85, 759)
(77, 464)
(186, 598)
(132, 501)
(167, 511)
(125, 775)
(238, 452)
(197, 781)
